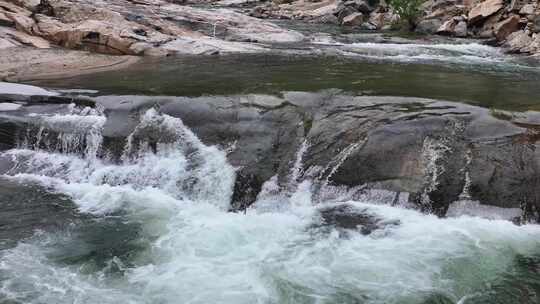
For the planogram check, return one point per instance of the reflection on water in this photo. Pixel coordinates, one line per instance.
(490, 85)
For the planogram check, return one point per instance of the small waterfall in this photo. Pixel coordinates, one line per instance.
(338, 161)
(296, 193)
(161, 154)
(188, 250)
(206, 175)
(434, 152)
(466, 192)
(298, 166)
(77, 132)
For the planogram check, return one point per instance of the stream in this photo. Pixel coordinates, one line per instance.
(135, 200)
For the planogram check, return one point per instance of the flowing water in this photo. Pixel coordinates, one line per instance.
(152, 226)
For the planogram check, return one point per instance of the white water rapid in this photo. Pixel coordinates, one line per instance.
(172, 193)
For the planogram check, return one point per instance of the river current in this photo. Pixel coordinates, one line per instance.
(153, 225)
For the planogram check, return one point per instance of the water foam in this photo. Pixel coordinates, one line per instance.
(208, 256)
(432, 53)
(176, 189)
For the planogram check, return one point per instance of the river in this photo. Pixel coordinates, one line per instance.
(152, 224)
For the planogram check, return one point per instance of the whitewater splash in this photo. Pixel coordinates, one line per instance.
(168, 195)
(77, 131)
(464, 54)
(160, 155)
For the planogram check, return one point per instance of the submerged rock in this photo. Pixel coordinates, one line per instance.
(347, 218)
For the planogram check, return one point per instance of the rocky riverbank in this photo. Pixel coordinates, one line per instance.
(36, 37)
(514, 25)
(150, 28)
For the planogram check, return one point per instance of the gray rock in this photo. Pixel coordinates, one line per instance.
(353, 19)
(345, 218)
(368, 26)
(429, 26)
(527, 9)
(504, 28)
(343, 11)
(536, 24)
(427, 152)
(518, 41)
(359, 5)
(461, 29)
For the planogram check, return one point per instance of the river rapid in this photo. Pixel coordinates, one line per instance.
(153, 224)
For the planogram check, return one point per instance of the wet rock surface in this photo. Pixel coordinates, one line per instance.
(428, 153)
(347, 218)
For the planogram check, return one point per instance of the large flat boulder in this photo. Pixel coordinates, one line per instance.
(484, 9)
(426, 153)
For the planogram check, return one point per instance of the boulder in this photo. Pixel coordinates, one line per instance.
(516, 5)
(354, 19)
(489, 24)
(447, 28)
(528, 9)
(323, 14)
(518, 41)
(506, 27)
(383, 19)
(484, 9)
(534, 46)
(460, 30)
(453, 27)
(446, 11)
(97, 36)
(402, 150)
(91, 35)
(535, 28)
(359, 5)
(428, 26)
(343, 11)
